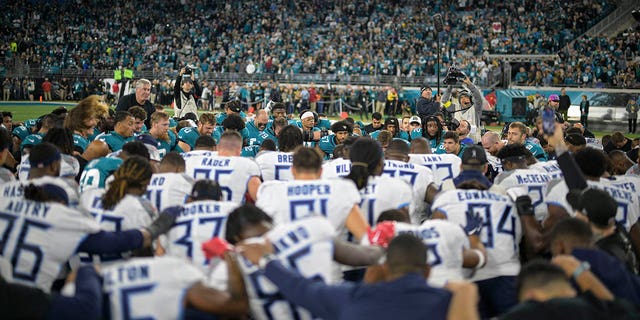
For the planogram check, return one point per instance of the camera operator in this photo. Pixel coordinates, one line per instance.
(427, 105)
(185, 93)
(470, 107)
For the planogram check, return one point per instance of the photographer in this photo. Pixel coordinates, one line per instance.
(470, 107)
(185, 93)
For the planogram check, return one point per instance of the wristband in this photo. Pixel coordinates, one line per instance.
(481, 259)
(584, 266)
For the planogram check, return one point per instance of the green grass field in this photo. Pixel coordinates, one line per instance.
(29, 110)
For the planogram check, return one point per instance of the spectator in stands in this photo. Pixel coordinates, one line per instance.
(139, 98)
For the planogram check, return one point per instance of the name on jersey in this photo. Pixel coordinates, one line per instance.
(309, 189)
(629, 186)
(212, 162)
(532, 178)
(157, 181)
(398, 165)
(203, 208)
(619, 194)
(290, 239)
(482, 195)
(15, 191)
(286, 158)
(28, 208)
(432, 158)
(343, 168)
(126, 274)
(428, 233)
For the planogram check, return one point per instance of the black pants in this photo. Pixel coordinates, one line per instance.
(584, 120)
(632, 125)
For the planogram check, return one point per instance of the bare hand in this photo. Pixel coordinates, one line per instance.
(557, 137)
(568, 263)
(466, 80)
(469, 290)
(254, 250)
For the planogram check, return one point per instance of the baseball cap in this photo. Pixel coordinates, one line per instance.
(415, 119)
(554, 97)
(474, 155)
(206, 190)
(152, 145)
(234, 107)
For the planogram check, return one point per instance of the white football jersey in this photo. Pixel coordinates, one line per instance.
(38, 238)
(288, 201)
(168, 189)
(419, 177)
(192, 158)
(148, 288)
(628, 202)
(533, 182)
(550, 167)
(306, 246)
(131, 212)
(232, 173)
(501, 229)
(275, 165)
(444, 166)
(336, 168)
(69, 167)
(445, 242)
(198, 223)
(6, 176)
(14, 189)
(382, 194)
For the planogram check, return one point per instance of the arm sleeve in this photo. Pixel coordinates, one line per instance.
(322, 300)
(572, 175)
(112, 242)
(122, 104)
(176, 91)
(446, 95)
(87, 302)
(478, 99)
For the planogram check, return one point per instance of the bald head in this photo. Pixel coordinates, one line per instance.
(491, 142)
(420, 146)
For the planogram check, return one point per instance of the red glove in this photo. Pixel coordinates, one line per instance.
(216, 247)
(382, 234)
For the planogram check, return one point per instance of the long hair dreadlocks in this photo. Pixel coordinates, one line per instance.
(135, 172)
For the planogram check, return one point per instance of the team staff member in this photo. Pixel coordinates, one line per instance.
(186, 92)
(139, 98)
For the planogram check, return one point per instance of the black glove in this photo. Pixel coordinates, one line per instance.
(524, 206)
(164, 222)
(474, 223)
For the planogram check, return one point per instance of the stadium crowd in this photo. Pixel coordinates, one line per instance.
(322, 37)
(279, 216)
